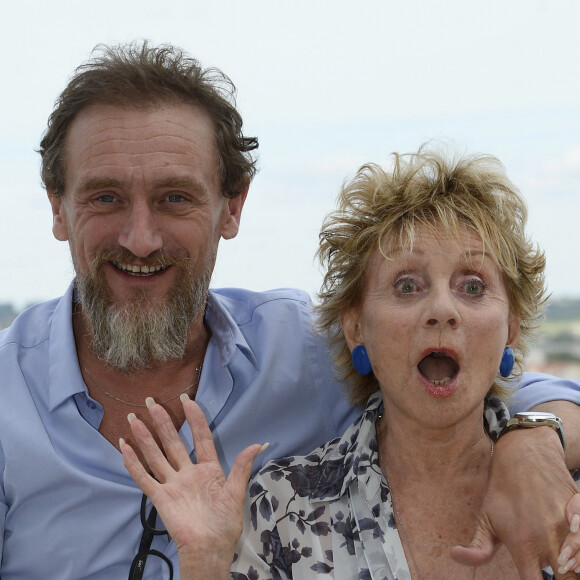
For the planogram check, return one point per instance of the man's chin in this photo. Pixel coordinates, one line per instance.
(137, 337)
(141, 333)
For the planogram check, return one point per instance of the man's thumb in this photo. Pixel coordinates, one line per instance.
(479, 551)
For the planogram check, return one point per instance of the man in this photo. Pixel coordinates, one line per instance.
(146, 168)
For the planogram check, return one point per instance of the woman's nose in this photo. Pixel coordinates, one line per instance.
(441, 309)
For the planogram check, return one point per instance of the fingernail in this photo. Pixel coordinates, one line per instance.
(149, 401)
(121, 442)
(183, 397)
(575, 523)
(131, 417)
(264, 447)
(568, 566)
(577, 570)
(564, 555)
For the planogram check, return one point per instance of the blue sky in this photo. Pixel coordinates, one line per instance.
(326, 86)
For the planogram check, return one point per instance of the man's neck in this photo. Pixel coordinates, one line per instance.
(120, 393)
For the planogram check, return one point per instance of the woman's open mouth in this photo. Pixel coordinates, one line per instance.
(438, 368)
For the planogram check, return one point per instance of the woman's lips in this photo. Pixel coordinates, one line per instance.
(439, 391)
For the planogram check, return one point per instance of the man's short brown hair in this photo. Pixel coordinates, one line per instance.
(137, 75)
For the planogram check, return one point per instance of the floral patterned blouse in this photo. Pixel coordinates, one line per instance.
(329, 514)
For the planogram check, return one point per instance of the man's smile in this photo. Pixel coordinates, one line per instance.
(137, 270)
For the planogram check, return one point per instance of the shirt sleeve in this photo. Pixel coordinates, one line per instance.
(332, 393)
(537, 388)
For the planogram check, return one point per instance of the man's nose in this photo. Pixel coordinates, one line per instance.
(441, 309)
(140, 234)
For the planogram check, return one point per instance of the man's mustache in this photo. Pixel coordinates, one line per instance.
(179, 259)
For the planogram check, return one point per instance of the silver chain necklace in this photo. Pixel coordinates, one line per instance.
(399, 519)
(111, 396)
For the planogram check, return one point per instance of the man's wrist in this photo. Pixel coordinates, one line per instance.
(533, 419)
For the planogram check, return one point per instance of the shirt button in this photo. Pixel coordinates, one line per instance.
(91, 404)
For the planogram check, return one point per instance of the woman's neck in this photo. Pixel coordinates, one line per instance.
(419, 451)
(437, 479)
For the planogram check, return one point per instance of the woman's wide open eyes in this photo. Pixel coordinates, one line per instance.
(405, 286)
(474, 287)
(471, 287)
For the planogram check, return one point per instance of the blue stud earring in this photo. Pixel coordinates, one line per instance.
(506, 366)
(360, 360)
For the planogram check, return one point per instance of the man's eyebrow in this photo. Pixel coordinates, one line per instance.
(95, 183)
(180, 183)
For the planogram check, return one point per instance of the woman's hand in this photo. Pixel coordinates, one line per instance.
(201, 508)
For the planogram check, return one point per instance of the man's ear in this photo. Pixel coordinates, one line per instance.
(349, 321)
(59, 221)
(232, 213)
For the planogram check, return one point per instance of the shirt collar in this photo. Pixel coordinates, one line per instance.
(64, 375)
(354, 455)
(225, 330)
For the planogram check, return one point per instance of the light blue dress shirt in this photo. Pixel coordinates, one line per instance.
(69, 509)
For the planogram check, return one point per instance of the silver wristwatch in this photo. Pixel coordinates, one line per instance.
(531, 419)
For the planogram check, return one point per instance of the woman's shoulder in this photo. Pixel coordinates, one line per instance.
(325, 472)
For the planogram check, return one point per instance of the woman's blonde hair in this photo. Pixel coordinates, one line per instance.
(382, 208)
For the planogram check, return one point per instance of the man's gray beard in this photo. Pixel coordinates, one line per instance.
(136, 335)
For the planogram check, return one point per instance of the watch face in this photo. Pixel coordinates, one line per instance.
(535, 416)
(528, 419)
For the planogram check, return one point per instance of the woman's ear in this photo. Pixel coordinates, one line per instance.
(349, 321)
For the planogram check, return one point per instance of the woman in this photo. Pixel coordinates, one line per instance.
(431, 288)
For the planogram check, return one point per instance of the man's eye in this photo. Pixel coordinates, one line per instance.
(174, 197)
(106, 198)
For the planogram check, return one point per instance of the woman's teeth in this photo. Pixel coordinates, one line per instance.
(440, 382)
